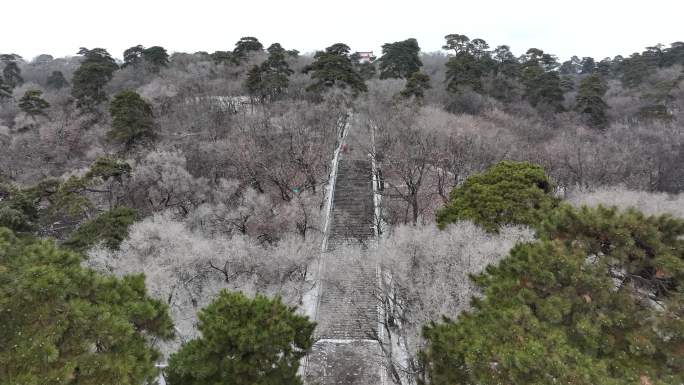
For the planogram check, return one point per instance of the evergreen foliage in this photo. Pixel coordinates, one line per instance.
(597, 299)
(588, 66)
(257, 341)
(154, 57)
(133, 55)
(334, 68)
(25, 210)
(56, 80)
(96, 70)
(270, 79)
(110, 228)
(507, 193)
(18, 211)
(589, 101)
(400, 59)
(463, 71)
(66, 324)
(223, 57)
(542, 81)
(105, 168)
(246, 45)
(33, 104)
(132, 119)
(467, 64)
(11, 72)
(416, 85)
(5, 90)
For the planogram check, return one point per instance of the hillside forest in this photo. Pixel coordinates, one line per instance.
(154, 208)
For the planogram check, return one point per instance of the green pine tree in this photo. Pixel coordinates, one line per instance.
(590, 103)
(334, 68)
(132, 119)
(598, 299)
(155, 57)
(5, 90)
(416, 85)
(400, 59)
(56, 80)
(244, 341)
(11, 72)
(507, 193)
(65, 324)
(33, 104)
(96, 70)
(269, 80)
(110, 228)
(463, 71)
(245, 46)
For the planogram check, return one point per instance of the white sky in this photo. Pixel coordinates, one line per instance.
(595, 28)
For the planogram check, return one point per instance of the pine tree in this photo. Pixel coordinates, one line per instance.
(33, 104)
(223, 57)
(5, 90)
(588, 66)
(507, 193)
(269, 80)
(56, 80)
(244, 341)
(110, 228)
(400, 59)
(246, 45)
(254, 84)
(334, 68)
(64, 324)
(96, 70)
(597, 299)
(589, 101)
(416, 85)
(11, 72)
(133, 56)
(463, 71)
(132, 119)
(471, 60)
(155, 57)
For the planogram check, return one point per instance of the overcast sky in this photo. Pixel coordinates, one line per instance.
(595, 28)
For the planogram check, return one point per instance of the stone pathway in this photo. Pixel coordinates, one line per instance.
(347, 309)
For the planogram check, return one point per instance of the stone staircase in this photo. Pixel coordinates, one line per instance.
(347, 311)
(352, 212)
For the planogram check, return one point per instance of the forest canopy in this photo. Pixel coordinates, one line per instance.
(523, 212)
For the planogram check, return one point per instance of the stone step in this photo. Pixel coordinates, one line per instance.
(344, 363)
(347, 316)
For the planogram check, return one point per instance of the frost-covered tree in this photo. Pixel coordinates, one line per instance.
(426, 277)
(187, 269)
(161, 181)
